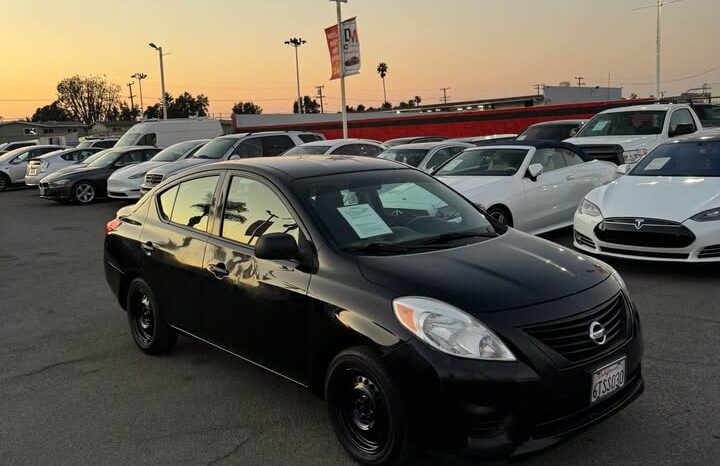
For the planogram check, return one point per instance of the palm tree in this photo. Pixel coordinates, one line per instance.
(417, 100)
(382, 70)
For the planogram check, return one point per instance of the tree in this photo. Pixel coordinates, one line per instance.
(185, 106)
(310, 105)
(52, 112)
(124, 113)
(386, 106)
(360, 108)
(417, 100)
(247, 108)
(382, 70)
(88, 98)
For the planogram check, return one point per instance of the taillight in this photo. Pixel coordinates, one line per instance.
(112, 225)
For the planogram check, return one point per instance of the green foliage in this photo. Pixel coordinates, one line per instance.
(247, 108)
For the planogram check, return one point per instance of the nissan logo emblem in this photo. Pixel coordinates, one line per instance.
(597, 333)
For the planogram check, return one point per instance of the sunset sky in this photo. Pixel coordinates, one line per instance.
(233, 50)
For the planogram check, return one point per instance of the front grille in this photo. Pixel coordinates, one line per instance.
(570, 337)
(709, 251)
(584, 240)
(644, 232)
(608, 152)
(658, 255)
(153, 179)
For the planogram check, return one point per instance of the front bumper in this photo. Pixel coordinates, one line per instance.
(124, 189)
(705, 247)
(501, 409)
(56, 193)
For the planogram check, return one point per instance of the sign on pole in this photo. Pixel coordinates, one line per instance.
(351, 51)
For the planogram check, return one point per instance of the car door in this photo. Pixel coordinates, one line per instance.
(545, 197)
(18, 167)
(582, 178)
(258, 308)
(173, 244)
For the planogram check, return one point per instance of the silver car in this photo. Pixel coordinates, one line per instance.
(40, 167)
(13, 164)
(425, 156)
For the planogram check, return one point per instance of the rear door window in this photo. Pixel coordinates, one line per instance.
(189, 202)
(276, 145)
(346, 149)
(368, 150)
(251, 147)
(439, 157)
(149, 139)
(550, 158)
(309, 137)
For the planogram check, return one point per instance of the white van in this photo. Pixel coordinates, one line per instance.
(164, 133)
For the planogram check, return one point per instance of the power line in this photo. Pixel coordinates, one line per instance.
(445, 96)
(580, 80)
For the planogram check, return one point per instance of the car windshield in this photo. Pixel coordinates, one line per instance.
(128, 139)
(392, 212)
(696, 159)
(709, 115)
(84, 144)
(307, 150)
(484, 162)
(104, 160)
(215, 149)
(174, 152)
(633, 123)
(412, 157)
(95, 156)
(548, 132)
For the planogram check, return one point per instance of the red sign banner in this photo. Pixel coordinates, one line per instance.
(351, 55)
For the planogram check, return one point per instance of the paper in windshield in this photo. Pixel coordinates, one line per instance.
(364, 220)
(657, 164)
(600, 125)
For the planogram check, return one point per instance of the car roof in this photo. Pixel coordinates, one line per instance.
(650, 107)
(560, 122)
(130, 148)
(705, 136)
(332, 142)
(536, 143)
(430, 145)
(296, 167)
(261, 133)
(414, 138)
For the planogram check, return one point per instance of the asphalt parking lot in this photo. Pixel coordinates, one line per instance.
(75, 390)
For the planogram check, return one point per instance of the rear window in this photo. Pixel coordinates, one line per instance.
(412, 157)
(215, 149)
(310, 137)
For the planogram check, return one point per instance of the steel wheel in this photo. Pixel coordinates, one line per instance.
(362, 411)
(4, 182)
(143, 318)
(84, 193)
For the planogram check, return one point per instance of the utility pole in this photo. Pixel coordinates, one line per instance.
(140, 77)
(132, 103)
(320, 96)
(580, 80)
(538, 86)
(445, 96)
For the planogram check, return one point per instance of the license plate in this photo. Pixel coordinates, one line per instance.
(607, 380)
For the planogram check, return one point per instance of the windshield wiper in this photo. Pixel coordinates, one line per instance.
(445, 237)
(374, 248)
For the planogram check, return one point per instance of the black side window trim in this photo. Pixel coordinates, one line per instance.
(211, 215)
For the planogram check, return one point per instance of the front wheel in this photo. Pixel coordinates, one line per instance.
(4, 182)
(149, 330)
(366, 411)
(84, 192)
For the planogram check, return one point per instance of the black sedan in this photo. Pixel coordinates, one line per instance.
(84, 183)
(420, 320)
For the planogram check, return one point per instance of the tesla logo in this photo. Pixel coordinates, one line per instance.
(639, 223)
(597, 333)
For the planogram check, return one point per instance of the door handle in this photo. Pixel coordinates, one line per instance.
(148, 248)
(569, 177)
(218, 270)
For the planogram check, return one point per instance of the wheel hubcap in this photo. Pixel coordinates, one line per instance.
(144, 318)
(85, 193)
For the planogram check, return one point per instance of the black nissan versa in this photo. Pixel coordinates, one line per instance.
(419, 319)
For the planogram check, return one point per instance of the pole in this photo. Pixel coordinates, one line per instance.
(341, 40)
(142, 106)
(321, 97)
(162, 84)
(297, 74)
(132, 103)
(657, 52)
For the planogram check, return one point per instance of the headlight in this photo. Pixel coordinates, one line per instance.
(137, 175)
(632, 156)
(60, 182)
(707, 216)
(588, 208)
(449, 329)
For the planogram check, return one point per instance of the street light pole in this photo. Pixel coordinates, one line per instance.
(140, 77)
(296, 42)
(162, 79)
(657, 51)
(341, 40)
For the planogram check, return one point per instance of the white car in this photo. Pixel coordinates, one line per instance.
(348, 146)
(534, 186)
(666, 208)
(425, 156)
(125, 183)
(13, 164)
(40, 167)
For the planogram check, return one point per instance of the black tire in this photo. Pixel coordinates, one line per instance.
(501, 214)
(366, 409)
(4, 182)
(84, 192)
(149, 330)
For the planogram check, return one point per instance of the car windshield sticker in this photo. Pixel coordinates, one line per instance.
(364, 220)
(600, 125)
(657, 164)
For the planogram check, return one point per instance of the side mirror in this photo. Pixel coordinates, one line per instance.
(535, 170)
(277, 246)
(622, 169)
(688, 128)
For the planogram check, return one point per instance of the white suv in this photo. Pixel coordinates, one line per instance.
(232, 146)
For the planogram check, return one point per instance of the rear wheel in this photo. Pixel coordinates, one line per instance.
(4, 182)
(84, 192)
(366, 410)
(501, 214)
(149, 330)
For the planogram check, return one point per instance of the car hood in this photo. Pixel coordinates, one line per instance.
(627, 142)
(72, 171)
(179, 165)
(673, 198)
(143, 167)
(511, 271)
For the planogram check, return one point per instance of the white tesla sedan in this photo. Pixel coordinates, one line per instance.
(125, 183)
(534, 186)
(666, 208)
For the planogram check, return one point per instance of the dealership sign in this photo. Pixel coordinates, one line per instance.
(351, 52)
